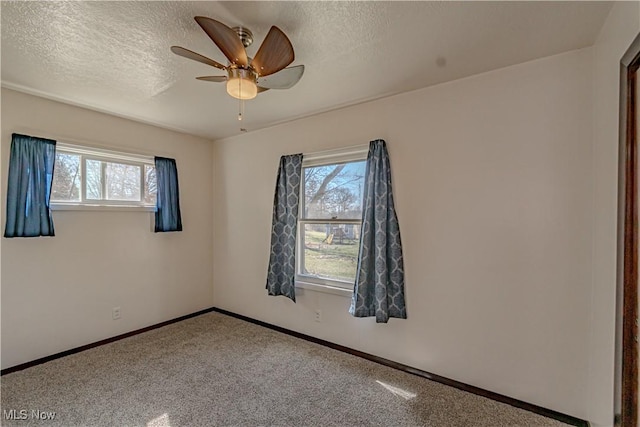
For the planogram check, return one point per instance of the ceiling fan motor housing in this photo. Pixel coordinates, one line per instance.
(242, 73)
(246, 36)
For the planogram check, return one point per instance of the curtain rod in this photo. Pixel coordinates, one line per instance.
(340, 150)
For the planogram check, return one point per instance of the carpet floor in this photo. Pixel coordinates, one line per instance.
(215, 370)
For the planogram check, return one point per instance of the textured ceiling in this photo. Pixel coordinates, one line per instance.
(115, 57)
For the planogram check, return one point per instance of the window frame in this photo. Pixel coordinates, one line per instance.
(104, 156)
(324, 158)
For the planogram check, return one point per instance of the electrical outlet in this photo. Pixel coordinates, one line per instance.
(318, 317)
(115, 313)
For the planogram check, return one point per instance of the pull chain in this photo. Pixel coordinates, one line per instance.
(240, 109)
(240, 114)
(240, 104)
(240, 101)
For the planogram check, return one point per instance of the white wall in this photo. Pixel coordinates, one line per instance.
(619, 30)
(493, 186)
(57, 293)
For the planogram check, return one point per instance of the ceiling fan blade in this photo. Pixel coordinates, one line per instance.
(283, 79)
(226, 39)
(213, 78)
(262, 89)
(186, 53)
(274, 54)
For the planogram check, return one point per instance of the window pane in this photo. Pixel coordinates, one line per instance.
(334, 191)
(94, 179)
(150, 189)
(66, 178)
(123, 181)
(331, 251)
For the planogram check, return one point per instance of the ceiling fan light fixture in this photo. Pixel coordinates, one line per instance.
(242, 83)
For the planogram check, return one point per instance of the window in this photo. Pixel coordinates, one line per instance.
(330, 218)
(92, 177)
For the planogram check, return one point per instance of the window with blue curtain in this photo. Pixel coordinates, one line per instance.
(168, 216)
(379, 283)
(31, 164)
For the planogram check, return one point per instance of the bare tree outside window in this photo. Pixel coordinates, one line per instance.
(94, 179)
(66, 177)
(150, 184)
(123, 182)
(332, 192)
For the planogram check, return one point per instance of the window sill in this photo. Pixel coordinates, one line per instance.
(324, 289)
(85, 207)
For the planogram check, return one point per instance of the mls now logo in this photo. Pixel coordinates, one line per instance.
(14, 414)
(23, 414)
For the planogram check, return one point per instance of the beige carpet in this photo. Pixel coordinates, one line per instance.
(214, 370)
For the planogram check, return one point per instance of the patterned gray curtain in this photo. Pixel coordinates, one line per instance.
(379, 287)
(282, 261)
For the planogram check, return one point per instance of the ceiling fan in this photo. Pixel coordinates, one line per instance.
(246, 77)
